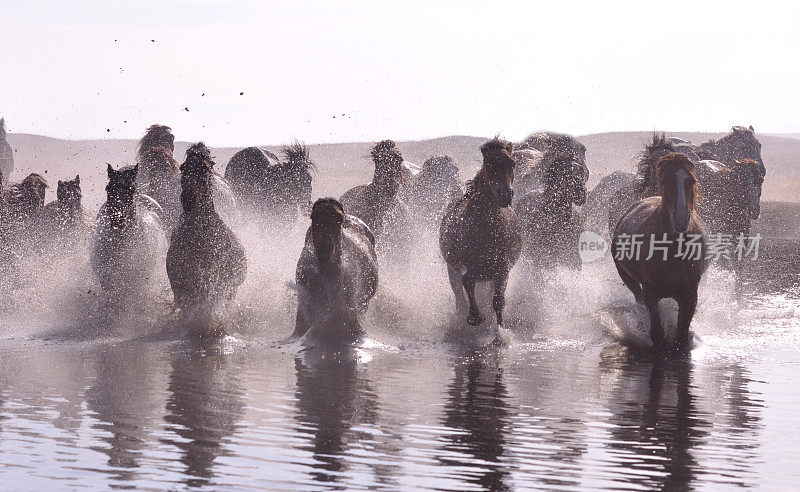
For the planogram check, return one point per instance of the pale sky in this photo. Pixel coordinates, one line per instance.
(401, 70)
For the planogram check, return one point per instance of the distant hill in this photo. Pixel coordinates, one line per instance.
(343, 165)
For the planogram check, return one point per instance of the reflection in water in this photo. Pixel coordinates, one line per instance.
(204, 408)
(477, 407)
(659, 427)
(122, 396)
(657, 422)
(338, 409)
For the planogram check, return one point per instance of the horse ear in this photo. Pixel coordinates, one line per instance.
(60, 183)
(110, 171)
(136, 169)
(78, 178)
(751, 128)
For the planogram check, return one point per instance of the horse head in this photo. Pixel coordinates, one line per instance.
(30, 193)
(388, 166)
(679, 189)
(564, 174)
(197, 172)
(497, 172)
(646, 181)
(563, 144)
(739, 143)
(69, 193)
(327, 217)
(156, 136)
(748, 178)
(121, 191)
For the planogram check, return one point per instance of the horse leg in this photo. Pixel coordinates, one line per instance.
(656, 329)
(475, 316)
(630, 283)
(687, 306)
(458, 289)
(499, 302)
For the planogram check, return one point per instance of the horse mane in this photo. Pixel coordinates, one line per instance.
(648, 161)
(198, 158)
(2, 128)
(385, 149)
(296, 154)
(155, 136)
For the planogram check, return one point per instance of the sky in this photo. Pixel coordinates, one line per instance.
(239, 73)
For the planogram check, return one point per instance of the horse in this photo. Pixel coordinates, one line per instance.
(429, 192)
(65, 220)
(379, 203)
(336, 276)
(740, 143)
(6, 155)
(644, 183)
(162, 171)
(128, 240)
(160, 177)
(598, 200)
(530, 154)
(23, 207)
(550, 225)
(731, 195)
(480, 236)
(206, 263)
(666, 225)
(271, 189)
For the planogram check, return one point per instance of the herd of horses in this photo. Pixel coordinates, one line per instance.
(529, 201)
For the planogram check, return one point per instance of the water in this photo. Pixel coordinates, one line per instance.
(85, 403)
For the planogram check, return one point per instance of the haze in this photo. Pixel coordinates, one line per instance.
(235, 74)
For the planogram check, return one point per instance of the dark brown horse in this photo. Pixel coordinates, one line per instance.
(337, 275)
(480, 236)
(740, 143)
(665, 264)
(206, 263)
(644, 184)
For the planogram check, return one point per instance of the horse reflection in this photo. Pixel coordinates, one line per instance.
(657, 422)
(334, 395)
(205, 406)
(477, 404)
(122, 399)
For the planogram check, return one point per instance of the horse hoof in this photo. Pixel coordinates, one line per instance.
(475, 319)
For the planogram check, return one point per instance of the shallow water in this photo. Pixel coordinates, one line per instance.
(135, 403)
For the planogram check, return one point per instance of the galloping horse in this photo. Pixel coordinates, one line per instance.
(550, 226)
(128, 242)
(337, 275)
(480, 236)
(644, 183)
(731, 195)
(740, 143)
(65, 220)
(379, 203)
(268, 187)
(531, 152)
(430, 191)
(665, 264)
(206, 263)
(160, 177)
